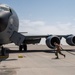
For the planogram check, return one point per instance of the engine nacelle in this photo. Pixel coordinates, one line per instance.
(71, 40)
(50, 41)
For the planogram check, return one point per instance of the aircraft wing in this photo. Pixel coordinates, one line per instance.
(23, 32)
(45, 36)
(19, 39)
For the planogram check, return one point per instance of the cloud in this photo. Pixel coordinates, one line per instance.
(31, 26)
(41, 27)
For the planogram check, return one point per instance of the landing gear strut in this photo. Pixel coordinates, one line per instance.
(3, 51)
(24, 46)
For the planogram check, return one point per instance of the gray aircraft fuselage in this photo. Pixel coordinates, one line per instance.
(9, 23)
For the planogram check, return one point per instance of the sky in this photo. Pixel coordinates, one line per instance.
(44, 16)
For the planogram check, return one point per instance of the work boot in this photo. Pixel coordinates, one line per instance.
(64, 56)
(57, 58)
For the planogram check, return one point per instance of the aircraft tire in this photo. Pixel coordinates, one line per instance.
(25, 47)
(20, 47)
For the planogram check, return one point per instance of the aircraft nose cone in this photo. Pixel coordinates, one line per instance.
(4, 17)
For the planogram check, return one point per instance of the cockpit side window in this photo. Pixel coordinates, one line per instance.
(4, 9)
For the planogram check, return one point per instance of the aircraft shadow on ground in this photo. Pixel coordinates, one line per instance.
(71, 51)
(8, 51)
(30, 51)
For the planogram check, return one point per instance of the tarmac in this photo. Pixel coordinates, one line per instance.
(38, 60)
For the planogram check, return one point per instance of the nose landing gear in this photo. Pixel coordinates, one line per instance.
(3, 54)
(2, 51)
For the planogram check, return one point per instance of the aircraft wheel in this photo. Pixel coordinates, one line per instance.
(25, 47)
(20, 48)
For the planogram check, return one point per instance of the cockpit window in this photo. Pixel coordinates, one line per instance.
(4, 9)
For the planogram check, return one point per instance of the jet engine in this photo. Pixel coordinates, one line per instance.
(71, 40)
(50, 41)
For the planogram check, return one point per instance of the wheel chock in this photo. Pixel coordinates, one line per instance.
(20, 56)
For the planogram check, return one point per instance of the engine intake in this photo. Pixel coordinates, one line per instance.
(71, 40)
(50, 41)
